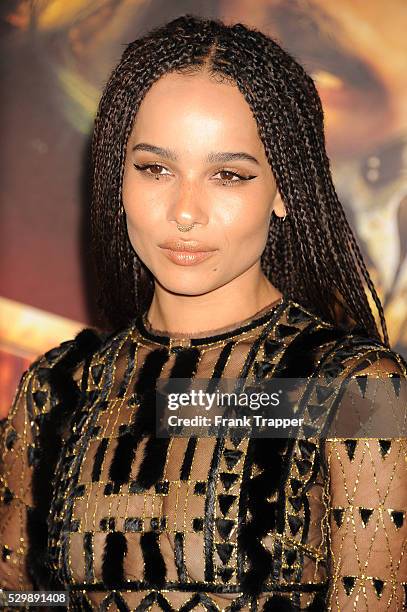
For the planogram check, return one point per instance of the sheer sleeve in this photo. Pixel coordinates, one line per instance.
(19, 455)
(367, 495)
(17, 452)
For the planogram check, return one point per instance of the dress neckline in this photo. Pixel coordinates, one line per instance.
(144, 328)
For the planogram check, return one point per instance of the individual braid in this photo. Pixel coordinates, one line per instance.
(312, 257)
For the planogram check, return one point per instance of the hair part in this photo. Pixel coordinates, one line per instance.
(313, 256)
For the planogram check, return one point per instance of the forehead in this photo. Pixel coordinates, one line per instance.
(198, 107)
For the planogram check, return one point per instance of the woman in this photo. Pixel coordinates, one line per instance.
(223, 252)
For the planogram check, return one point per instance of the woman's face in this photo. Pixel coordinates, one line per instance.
(194, 156)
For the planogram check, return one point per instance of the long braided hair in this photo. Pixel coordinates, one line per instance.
(312, 256)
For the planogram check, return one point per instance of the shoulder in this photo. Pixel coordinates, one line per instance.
(375, 391)
(361, 382)
(68, 357)
(354, 344)
(313, 344)
(373, 358)
(58, 371)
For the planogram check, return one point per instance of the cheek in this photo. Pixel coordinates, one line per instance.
(141, 231)
(142, 210)
(245, 221)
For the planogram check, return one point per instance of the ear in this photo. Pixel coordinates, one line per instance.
(278, 205)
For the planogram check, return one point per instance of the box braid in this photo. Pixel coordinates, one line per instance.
(312, 257)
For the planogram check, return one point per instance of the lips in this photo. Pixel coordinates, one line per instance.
(186, 252)
(191, 246)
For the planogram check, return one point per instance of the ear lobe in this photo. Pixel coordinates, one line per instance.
(278, 206)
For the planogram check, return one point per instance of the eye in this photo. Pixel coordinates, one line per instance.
(229, 181)
(145, 167)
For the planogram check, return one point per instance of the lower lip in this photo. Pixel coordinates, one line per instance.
(187, 258)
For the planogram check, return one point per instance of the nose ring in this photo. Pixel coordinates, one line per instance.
(185, 228)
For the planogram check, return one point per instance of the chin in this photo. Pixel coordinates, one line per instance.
(187, 286)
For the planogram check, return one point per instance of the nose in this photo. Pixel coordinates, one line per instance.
(188, 206)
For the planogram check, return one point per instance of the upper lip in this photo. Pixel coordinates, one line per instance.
(186, 245)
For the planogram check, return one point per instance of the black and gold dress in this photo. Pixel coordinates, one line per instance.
(94, 503)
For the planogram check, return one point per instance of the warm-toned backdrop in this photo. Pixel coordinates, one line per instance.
(55, 58)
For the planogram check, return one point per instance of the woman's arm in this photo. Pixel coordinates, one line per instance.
(367, 500)
(20, 454)
(17, 457)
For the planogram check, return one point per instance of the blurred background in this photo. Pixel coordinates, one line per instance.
(55, 58)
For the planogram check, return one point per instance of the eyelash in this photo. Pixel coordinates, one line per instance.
(226, 183)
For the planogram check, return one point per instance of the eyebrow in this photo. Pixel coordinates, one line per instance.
(211, 158)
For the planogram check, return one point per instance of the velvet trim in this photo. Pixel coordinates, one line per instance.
(298, 360)
(65, 396)
(129, 369)
(154, 564)
(88, 550)
(99, 457)
(144, 418)
(179, 557)
(279, 603)
(114, 551)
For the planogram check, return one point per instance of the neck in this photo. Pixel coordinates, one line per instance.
(220, 308)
